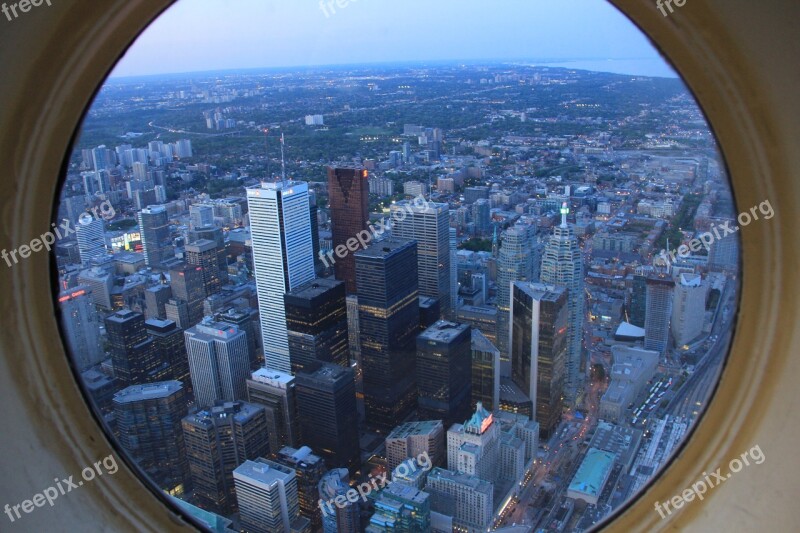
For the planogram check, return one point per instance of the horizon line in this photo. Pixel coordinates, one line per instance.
(538, 63)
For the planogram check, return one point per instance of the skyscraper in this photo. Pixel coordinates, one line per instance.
(218, 439)
(148, 421)
(562, 264)
(91, 240)
(326, 405)
(133, 352)
(276, 392)
(219, 362)
(186, 282)
(336, 519)
(348, 199)
(473, 447)
(723, 254)
(660, 293)
(178, 312)
(539, 340)
(514, 263)
(480, 216)
(485, 372)
(453, 272)
(308, 469)
(155, 232)
(638, 306)
(353, 330)
(243, 319)
(688, 308)
(201, 215)
(171, 347)
(444, 372)
(316, 322)
(155, 301)
(267, 495)
(81, 323)
(313, 212)
(280, 227)
(386, 275)
(429, 225)
(203, 253)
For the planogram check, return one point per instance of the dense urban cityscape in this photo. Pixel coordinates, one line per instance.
(438, 297)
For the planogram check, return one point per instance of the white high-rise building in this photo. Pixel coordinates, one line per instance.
(91, 239)
(155, 232)
(473, 447)
(81, 323)
(219, 362)
(283, 258)
(415, 188)
(429, 225)
(514, 263)
(201, 215)
(183, 148)
(688, 308)
(562, 264)
(267, 495)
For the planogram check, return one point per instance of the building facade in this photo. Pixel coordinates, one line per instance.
(386, 275)
(348, 200)
(539, 343)
(283, 258)
(316, 323)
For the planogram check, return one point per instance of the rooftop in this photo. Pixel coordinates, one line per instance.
(386, 247)
(593, 472)
(240, 411)
(474, 483)
(481, 344)
(424, 427)
(480, 420)
(210, 329)
(148, 391)
(315, 288)
(263, 471)
(443, 331)
(273, 377)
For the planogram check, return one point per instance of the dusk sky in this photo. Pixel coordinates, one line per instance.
(199, 35)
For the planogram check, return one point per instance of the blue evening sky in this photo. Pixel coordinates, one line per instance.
(200, 35)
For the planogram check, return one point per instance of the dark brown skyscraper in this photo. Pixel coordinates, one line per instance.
(348, 192)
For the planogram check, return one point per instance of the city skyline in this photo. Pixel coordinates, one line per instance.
(527, 175)
(301, 35)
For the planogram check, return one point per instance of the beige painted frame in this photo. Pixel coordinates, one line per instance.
(740, 57)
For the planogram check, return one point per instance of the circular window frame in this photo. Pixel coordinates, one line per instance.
(50, 80)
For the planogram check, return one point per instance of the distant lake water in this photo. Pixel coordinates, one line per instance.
(634, 67)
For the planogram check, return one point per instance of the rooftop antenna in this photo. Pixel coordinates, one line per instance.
(266, 149)
(564, 211)
(283, 163)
